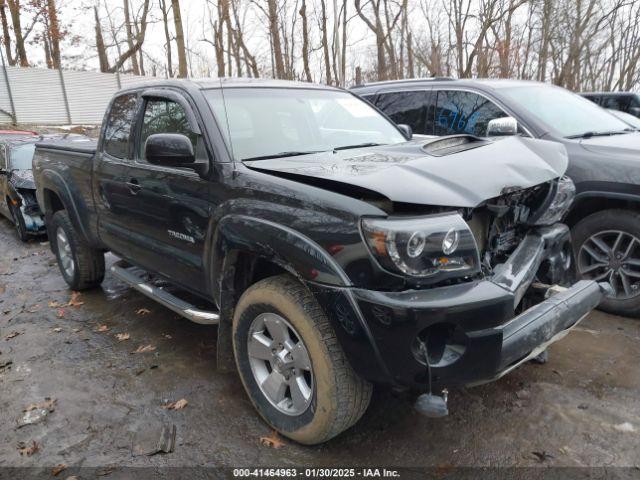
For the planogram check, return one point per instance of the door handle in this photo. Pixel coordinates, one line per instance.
(133, 186)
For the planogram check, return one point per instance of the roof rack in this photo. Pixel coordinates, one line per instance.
(405, 80)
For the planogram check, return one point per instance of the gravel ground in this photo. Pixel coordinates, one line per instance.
(582, 408)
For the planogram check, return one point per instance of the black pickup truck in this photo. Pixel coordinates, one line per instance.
(332, 250)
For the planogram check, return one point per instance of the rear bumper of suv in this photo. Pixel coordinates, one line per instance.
(471, 330)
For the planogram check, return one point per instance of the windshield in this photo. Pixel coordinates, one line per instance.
(564, 112)
(21, 156)
(263, 122)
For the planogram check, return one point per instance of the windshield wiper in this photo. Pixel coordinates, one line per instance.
(602, 134)
(359, 145)
(281, 155)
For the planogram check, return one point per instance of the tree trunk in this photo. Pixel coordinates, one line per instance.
(54, 33)
(305, 41)
(167, 37)
(182, 52)
(325, 44)
(6, 37)
(129, 30)
(102, 51)
(274, 31)
(14, 9)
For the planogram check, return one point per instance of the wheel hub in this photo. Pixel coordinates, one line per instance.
(64, 252)
(280, 363)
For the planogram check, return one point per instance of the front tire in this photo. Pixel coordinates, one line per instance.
(607, 249)
(81, 266)
(291, 364)
(18, 221)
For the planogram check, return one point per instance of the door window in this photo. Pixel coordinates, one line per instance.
(117, 133)
(460, 112)
(164, 116)
(409, 108)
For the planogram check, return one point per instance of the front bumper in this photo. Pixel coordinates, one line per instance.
(471, 329)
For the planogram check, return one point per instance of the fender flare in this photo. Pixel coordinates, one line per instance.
(52, 180)
(279, 244)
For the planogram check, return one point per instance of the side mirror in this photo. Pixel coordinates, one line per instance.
(169, 150)
(406, 130)
(635, 111)
(500, 127)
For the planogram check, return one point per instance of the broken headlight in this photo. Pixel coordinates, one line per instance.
(432, 247)
(562, 196)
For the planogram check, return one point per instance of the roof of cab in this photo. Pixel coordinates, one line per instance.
(210, 83)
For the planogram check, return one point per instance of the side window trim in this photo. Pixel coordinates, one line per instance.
(169, 96)
(496, 102)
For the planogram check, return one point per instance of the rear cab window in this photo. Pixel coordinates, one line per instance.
(117, 132)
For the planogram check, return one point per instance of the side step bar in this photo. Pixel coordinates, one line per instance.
(132, 277)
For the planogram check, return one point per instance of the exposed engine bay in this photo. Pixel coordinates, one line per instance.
(499, 224)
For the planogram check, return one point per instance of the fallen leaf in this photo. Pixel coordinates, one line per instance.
(73, 301)
(55, 471)
(178, 405)
(143, 311)
(60, 313)
(542, 456)
(48, 404)
(34, 308)
(28, 450)
(12, 335)
(3, 288)
(76, 330)
(272, 441)
(144, 349)
(57, 329)
(102, 328)
(54, 304)
(122, 336)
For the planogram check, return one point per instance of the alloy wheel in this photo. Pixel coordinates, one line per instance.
(64, 252)
(612, 256)
(280, 364)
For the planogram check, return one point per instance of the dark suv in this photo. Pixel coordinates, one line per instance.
(624, 101)
(604, 156)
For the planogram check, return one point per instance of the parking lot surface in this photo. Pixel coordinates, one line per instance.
(105, 406)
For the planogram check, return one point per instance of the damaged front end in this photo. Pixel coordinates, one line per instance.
(492, 288)
(22, 194)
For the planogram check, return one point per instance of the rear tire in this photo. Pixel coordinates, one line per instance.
(18, 221)
(592, 236)
(337, 398)
(81, 266)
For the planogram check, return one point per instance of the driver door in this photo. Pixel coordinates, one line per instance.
(169, 206)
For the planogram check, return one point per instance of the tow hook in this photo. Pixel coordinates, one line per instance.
(428, 404)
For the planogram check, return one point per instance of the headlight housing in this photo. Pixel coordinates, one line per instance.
(561, 198)
(433, 247)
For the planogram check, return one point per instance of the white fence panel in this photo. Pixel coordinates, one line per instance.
(88, 94)
(37, 96)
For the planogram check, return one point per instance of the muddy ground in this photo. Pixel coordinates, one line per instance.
(582, 408)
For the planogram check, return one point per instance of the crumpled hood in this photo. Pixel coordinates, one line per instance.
(405, 173)
(627, 144)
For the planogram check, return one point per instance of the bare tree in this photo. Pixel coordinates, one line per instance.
(182, 52)
(14, 10)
